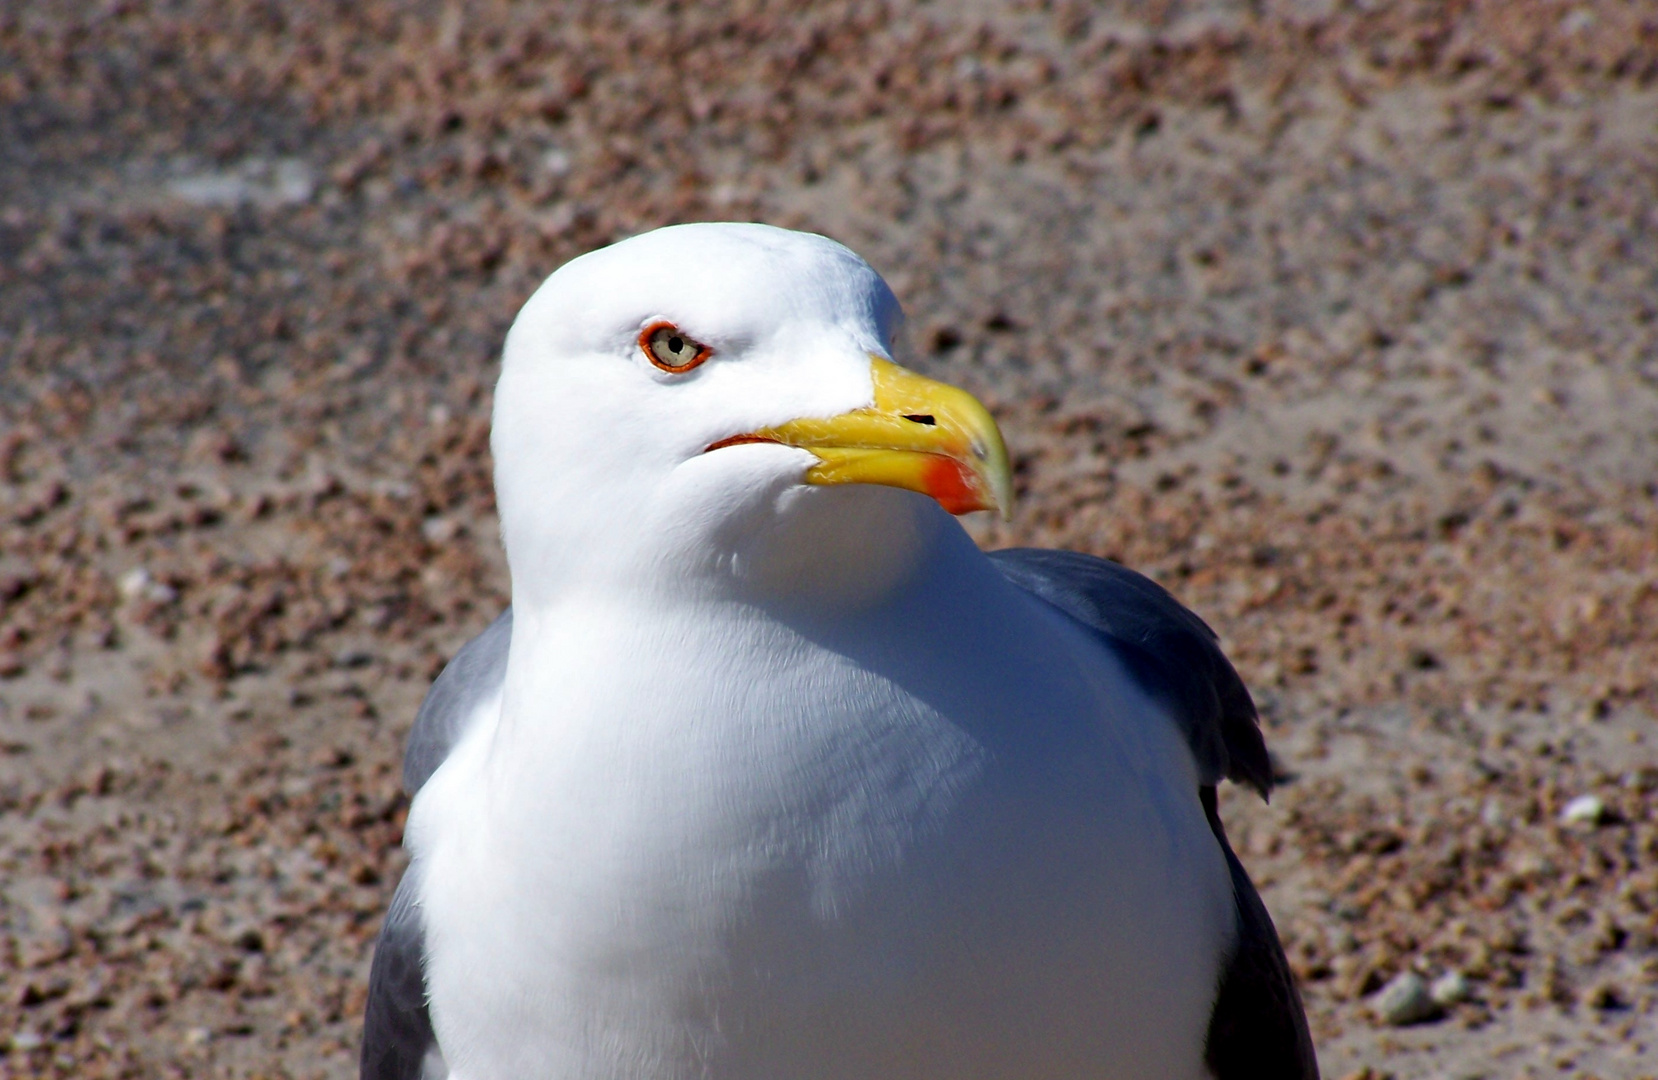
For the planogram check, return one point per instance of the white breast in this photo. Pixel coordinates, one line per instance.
(946, 839)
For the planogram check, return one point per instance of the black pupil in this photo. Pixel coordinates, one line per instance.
(675, 344)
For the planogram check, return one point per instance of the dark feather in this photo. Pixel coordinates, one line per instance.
(1258, 1028)
(397, 1032)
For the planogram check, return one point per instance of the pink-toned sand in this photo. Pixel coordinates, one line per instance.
(1341, 320)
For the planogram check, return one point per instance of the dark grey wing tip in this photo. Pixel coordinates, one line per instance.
(1258, 1028)
(397, 1030)
(481, 663)
(1247, 759)
(1173, 653)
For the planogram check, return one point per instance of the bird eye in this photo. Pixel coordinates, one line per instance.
(671, 349)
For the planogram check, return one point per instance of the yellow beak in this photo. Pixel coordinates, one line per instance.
(919, 435)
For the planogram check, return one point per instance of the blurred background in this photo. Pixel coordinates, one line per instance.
(1339, 319)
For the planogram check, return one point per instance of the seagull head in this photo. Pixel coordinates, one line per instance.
(720, 401)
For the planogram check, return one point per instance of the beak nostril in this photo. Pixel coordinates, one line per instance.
(921, 418)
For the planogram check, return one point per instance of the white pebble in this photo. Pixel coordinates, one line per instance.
(255, 181)
(556, 162)
(134, 582)
(1405, 1000)
(439, 530)
(1584, 810)
(137, 584)
(1450, 989)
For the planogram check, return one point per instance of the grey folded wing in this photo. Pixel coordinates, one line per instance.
(473, 677)
(397, 1031)
(1258, 1027)
(1168, 650)
(398, 1043)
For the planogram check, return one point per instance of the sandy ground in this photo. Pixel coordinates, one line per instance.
(1340, 320)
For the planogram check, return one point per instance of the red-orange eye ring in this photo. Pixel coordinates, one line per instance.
(671, 349)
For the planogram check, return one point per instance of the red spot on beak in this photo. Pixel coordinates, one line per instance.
(951, 484)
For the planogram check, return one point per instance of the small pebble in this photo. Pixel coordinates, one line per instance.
(137, 584)
(439, 530)
(257, 182)
(1405, 1000)
(353, 657)
(134, 582)
(1604, 996)
(556, 162)
(1584, 810)
(26, 1040)
(1450, 989)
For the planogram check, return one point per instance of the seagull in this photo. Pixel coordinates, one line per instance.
(769, 772)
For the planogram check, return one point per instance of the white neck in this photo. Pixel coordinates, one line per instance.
(806, 549)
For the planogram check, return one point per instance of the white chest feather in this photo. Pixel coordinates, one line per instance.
(715, 844)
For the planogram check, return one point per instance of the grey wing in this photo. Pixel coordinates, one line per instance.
(1258, 1027)
(1171, 652)
(398, 1043)
(474, 676)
